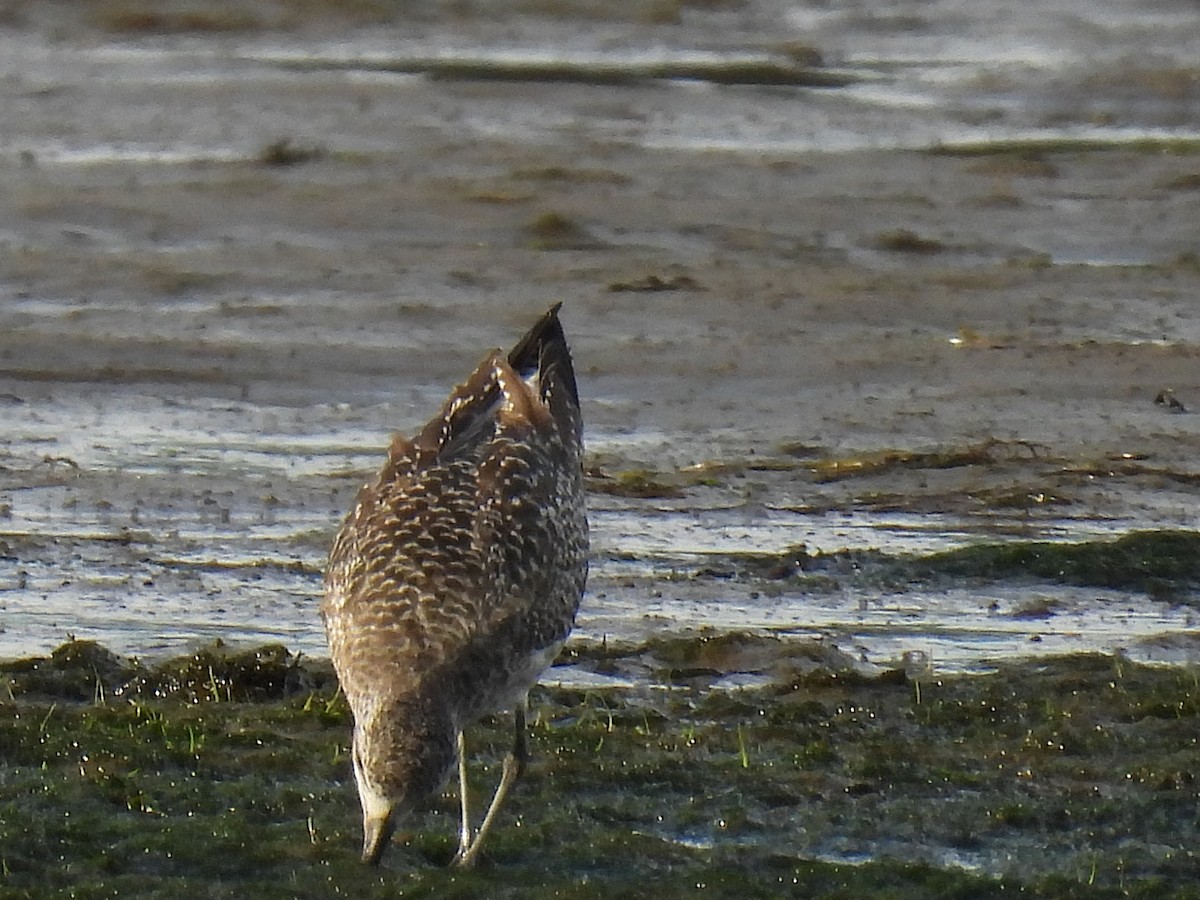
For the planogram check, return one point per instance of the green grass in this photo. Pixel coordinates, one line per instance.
(1072, 777)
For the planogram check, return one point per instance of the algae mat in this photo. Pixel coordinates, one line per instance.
(227, 774)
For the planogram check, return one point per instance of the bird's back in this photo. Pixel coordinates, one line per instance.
(461, 566)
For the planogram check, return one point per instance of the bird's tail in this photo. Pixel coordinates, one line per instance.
(543, 359)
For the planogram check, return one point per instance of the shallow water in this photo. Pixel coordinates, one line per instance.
(204, 355)
(153, 537)
(921, 75)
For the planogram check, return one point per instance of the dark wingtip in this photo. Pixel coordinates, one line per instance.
(525, 357)
(544, 347)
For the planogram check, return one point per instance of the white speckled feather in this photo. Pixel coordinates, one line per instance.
(456, 577)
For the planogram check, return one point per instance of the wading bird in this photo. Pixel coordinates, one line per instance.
(455, 579)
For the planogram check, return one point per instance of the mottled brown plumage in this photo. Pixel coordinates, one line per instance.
(456, 577)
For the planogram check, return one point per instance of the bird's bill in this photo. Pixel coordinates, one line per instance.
(377, 832)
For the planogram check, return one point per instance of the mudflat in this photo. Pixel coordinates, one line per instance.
(886, 332)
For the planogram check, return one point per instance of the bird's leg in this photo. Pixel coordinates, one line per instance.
(514, 763)
(464, 831)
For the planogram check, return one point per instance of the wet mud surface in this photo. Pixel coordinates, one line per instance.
(886, 332)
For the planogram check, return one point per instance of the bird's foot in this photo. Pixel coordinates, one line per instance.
(466, 855)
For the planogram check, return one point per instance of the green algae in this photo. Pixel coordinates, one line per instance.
(555, 231)
(765, 71)
(984, 453)
(1164, 564)
(1014, 478)
(803, 461)
(642, 484)
(1160, 563)
(1023, 148)
(84, 670)
(706, 655)
(902, 240)
(284, 152)
(1069, 777)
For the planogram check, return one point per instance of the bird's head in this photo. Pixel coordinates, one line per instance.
(403, 754)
